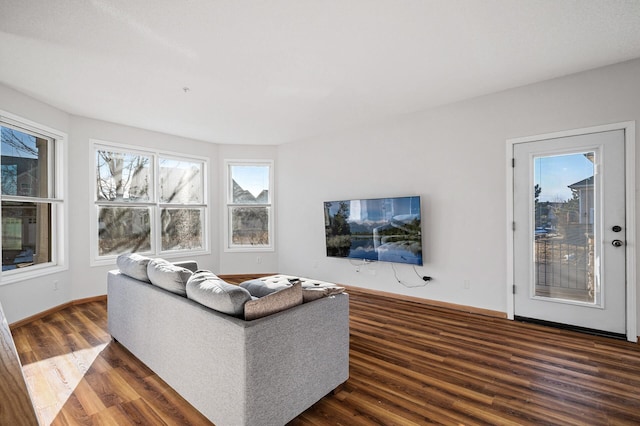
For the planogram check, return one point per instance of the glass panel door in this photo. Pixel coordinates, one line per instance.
(564, 217)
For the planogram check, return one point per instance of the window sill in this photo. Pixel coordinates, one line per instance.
(10, 277)
(248, 249)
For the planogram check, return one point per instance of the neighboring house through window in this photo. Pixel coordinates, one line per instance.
(32, 203)
(148, 202)
(249, 213)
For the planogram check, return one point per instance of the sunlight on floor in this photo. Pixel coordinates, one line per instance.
(52, 381)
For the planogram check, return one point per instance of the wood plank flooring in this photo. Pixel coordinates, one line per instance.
(15, 403)
(410, 364)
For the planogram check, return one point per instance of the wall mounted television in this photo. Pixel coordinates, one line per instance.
(378, 229)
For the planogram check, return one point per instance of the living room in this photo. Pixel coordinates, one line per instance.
(448, 148)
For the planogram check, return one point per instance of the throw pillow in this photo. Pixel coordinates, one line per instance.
(274, 302)
(260, 287)
(310, 294)
(168, 276)
(134, 266)
(207, 289)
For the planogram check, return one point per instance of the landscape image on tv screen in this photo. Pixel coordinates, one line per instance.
(381, 229)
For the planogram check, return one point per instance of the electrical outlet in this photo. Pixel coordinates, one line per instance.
(258, 259)
(55, 285)
(467, 284)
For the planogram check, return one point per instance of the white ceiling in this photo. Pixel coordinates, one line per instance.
(275, 71)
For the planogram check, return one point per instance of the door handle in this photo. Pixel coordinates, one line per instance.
(617, 243)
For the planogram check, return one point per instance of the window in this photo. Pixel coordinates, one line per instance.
(249, 210)
(182, 210)
(148, 202)
(32, 206)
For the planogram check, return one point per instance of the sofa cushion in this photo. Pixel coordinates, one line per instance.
(134, 266)
(312, 293)
(311, 289)
(207, 289)
(261, 287)
(275, 302)
(168, 276)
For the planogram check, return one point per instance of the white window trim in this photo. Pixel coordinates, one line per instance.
(60, 220)
(228, 203)
(154, 218)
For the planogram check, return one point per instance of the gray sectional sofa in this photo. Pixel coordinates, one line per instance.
(235, 372)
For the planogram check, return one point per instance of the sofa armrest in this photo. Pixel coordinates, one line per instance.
(295, 357)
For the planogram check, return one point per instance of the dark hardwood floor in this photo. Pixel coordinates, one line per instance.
(410, 365)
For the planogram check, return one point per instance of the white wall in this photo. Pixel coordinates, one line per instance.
(90, 281)
(25, 298)
(454, 157)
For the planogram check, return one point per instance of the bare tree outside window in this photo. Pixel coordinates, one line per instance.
(123, 229)
(24, 164)
(122, 177)
(180, 181)
(181, 229)
(9, 179)
(148, 202)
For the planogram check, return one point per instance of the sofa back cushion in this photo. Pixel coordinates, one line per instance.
(207, 289)
(168, 276)
(134, 265)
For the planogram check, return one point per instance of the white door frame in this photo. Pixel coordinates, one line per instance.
(629, 128)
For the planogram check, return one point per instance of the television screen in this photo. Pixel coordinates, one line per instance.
(381, 229)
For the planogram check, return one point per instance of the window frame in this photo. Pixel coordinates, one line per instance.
(57, 181)
(164, 205)
(154, 204)
(229, 204)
